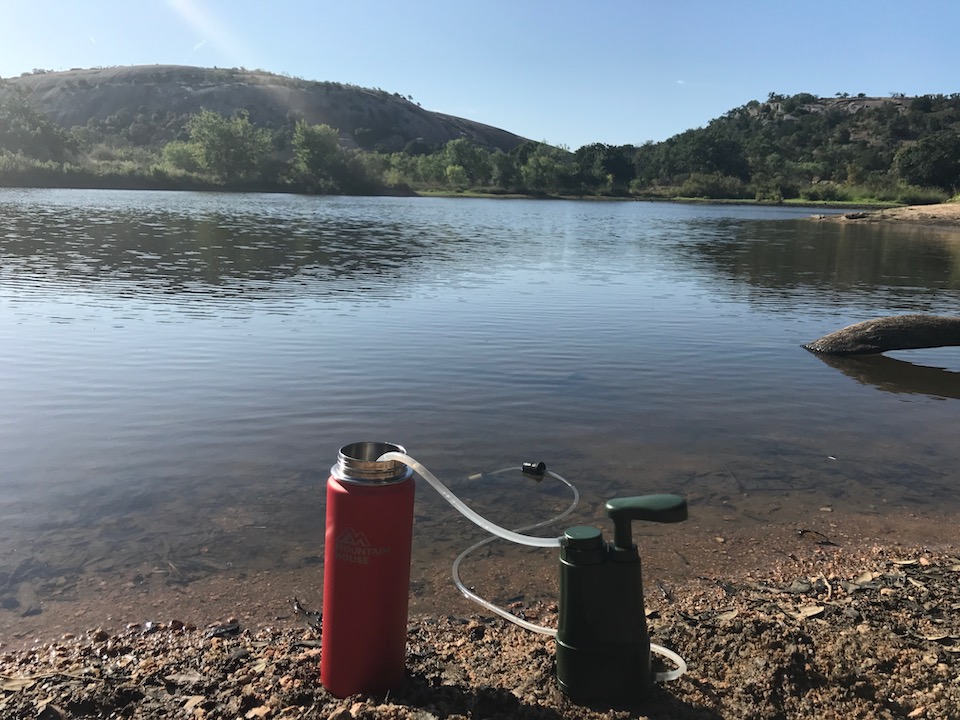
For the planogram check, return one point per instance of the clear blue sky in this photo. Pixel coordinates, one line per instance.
(569, 72)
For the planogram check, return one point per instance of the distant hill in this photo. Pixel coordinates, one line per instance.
(817, 148)
(149, 104)
(145, 127)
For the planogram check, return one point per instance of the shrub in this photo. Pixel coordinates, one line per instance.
(913, 195)
(713, 186)
(826, 192)
(181, 156)
(769, 195)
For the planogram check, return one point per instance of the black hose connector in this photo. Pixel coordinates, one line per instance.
(535, 470)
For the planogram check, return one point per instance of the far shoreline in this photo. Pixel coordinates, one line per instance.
(945, 215)
(246, 188)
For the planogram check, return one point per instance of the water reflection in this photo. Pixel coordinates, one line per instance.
(170, 252)
(837, 261)
(896, 376)
(175, 246)
(178, 370)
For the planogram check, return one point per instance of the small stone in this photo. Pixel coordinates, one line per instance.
(238, 654)
(809, 611)
(28, 601)
(193, 701)
(52, 712)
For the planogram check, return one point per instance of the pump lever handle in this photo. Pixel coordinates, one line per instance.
(653, 508)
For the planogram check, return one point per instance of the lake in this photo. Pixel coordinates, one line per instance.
(179, 370)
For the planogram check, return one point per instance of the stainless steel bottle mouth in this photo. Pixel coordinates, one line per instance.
(357, 463)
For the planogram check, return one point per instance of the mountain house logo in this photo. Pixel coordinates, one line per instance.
(353, 547)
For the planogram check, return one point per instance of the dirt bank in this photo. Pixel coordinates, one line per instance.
(866, 632)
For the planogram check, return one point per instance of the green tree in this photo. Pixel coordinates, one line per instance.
(229, 148)
(548, 169)
(618, 164)
(504, 171)
(609, 168)
(181, 156)
(933, 161)
(457, 177)
(474, 160)
(26, 130)
(708, 152)
(588, 160)
(318, 160)
(431, 169)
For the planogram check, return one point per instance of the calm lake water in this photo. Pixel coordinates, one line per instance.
(178, 370)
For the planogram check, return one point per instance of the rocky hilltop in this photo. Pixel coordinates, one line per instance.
(158, 98)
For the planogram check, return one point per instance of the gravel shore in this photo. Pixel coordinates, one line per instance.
(871, 632)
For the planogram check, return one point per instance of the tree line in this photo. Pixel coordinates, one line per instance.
(800, 146)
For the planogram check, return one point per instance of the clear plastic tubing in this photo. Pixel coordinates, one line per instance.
(467, 592)
(466, 511)
(516, 536)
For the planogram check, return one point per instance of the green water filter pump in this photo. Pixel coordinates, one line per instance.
(603, 647)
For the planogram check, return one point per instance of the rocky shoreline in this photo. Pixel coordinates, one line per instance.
(839, 633)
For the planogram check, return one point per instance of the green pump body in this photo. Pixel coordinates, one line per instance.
(603, 647)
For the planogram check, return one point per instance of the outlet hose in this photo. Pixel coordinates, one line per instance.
(445, 493)
(515, 536)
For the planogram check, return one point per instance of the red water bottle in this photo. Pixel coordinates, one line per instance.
(366, 576)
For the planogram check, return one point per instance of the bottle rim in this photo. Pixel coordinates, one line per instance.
(357, 463)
